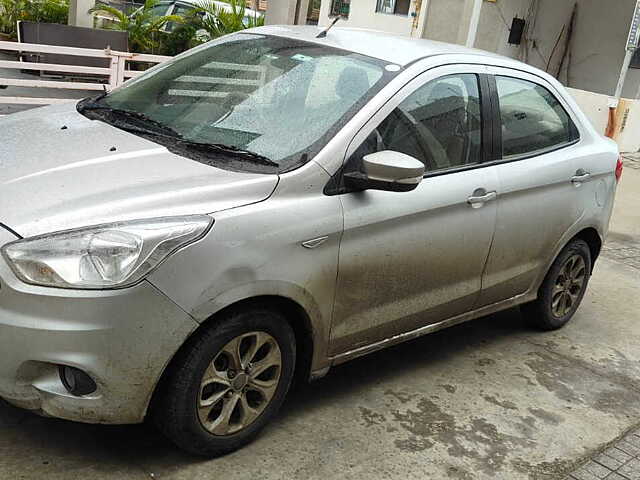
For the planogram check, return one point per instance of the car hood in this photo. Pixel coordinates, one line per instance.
(60, 170)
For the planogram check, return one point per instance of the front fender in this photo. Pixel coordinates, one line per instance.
(320, 326)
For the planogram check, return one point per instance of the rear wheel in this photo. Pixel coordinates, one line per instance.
(227, 383)
(563, 288)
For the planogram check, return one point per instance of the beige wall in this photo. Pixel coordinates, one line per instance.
(596, 51)
(596, 107)
(281, 12)
(443, 20)
(495, 22)
(79, 15)
(363, 15)
(597, 47)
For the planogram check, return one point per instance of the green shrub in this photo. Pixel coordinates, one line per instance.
(45, 11)
(217, 21)
(184, 36)
(142, 25)
(206, 22)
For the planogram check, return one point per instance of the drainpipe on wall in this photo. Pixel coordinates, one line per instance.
(632, 45)
(615, 101)
(473, 23)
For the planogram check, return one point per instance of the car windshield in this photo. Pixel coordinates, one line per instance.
(278, 98)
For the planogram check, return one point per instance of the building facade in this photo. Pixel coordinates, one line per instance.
(581, 42)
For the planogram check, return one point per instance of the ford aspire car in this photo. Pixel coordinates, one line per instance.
(274, 203)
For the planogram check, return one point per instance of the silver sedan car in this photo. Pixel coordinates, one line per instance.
(276, 202)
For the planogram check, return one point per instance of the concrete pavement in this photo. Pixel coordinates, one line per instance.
(487, 399)
(620, 461)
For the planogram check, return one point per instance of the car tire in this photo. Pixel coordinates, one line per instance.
(205, 369)
(562, 289)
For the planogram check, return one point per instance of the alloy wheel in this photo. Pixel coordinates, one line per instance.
(569, 286)
(239, 383)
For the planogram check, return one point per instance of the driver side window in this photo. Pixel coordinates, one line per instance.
(438, 124)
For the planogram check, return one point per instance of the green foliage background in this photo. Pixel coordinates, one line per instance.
(45, 11)
(147, 32)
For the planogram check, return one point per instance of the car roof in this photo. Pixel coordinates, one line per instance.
(385, 46)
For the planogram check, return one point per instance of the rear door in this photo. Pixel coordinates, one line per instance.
(539, 181)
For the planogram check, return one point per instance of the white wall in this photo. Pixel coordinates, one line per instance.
(79, 15)
(598, 47)
(596, 107)
(363, 15)
(281, 12)
(495, 22)
(445, 20)
(596, 51)
(627, 135)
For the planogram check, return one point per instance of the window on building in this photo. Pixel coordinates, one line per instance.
(395, 7)
(533, 120)
(313, 12)
(438, 124)
(340, 7)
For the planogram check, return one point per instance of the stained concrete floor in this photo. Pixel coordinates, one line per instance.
(488, 399)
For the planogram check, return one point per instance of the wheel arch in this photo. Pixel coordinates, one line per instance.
(297, 317)
(592, 238)
(588, 234)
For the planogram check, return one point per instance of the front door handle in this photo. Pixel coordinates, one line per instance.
(580, 177)
(480, 199)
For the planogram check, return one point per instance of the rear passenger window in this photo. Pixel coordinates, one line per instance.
(532, 118)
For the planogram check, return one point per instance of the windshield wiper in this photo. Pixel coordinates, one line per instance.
(227, 150)
(169, 135)
(118, 113)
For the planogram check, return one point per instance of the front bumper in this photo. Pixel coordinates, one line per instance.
(122, 338)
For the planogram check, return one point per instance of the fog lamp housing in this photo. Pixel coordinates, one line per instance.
(76, 381)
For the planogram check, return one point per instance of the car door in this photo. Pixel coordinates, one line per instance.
(413, 258)
(539, 181)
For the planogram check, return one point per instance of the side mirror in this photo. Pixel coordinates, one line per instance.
(387, 170)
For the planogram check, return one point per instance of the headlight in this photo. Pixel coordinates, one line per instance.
(105, 256)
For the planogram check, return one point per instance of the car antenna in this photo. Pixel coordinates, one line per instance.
(323, 33)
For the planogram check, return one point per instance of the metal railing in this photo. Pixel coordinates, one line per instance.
(110, 77)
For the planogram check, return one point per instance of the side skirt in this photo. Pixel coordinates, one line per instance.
(434, 327)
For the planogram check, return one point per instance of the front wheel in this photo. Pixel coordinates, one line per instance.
(228, 382)
(563, 288)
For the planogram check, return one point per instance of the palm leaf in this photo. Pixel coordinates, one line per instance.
(158, 22)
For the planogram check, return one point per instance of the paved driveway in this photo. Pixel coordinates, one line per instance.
(488, 399)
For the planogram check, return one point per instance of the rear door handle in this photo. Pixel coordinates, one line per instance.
(480, 199)
(580, 176)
